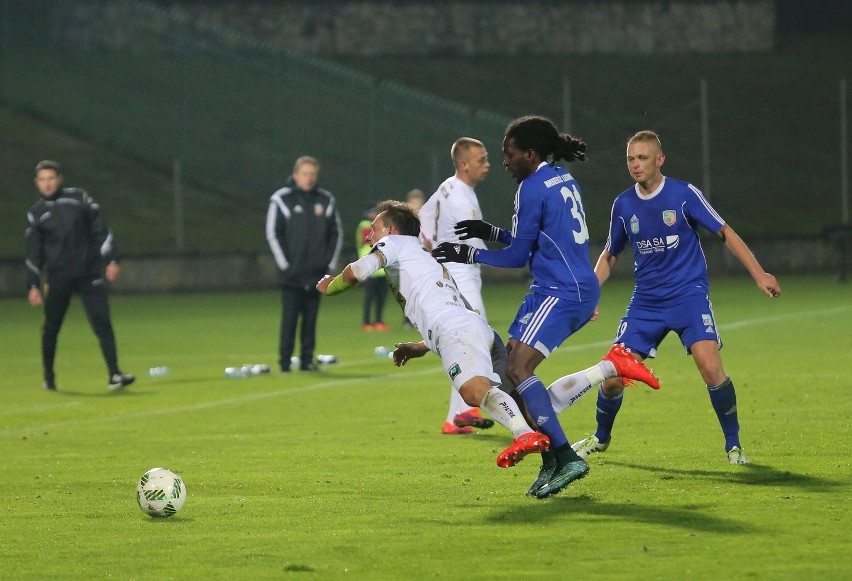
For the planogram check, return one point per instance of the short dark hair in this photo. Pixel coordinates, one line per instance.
(540, 134)
(47, 164)
(401, 215)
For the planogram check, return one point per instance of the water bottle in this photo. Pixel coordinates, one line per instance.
(234, 372)
(295, 361)
(158, 371)
(382, 351)
(259, 368)
(326, 359)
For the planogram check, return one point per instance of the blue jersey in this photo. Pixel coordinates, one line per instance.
(662, 227)
(549, 213)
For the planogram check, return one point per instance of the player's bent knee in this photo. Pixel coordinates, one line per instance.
(474, 390)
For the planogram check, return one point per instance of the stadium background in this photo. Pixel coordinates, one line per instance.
(183, 117)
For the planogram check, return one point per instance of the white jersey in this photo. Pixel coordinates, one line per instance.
(451, 203)
(424, 289)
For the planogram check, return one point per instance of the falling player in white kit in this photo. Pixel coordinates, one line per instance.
(430, 299)
(455, 201)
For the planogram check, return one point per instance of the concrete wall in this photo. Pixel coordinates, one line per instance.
(469, 27)
(230, 272)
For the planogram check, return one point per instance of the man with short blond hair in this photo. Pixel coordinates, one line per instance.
(304, 234)
(455, 200)
(659, 218)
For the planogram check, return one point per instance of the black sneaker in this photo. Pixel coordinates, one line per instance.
(562, 477)
(545, 473)
(120, 380)
(49, 384)
(308, 367)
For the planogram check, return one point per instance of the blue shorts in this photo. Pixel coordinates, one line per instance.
(644, 327)
(544, 322)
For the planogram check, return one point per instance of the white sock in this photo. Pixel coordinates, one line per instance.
(567, 390)
(504, 410)
(457, 405)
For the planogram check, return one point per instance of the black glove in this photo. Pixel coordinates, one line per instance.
(467, 229)
(454, 252)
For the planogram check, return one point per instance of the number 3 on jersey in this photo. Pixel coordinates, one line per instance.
(576, 211)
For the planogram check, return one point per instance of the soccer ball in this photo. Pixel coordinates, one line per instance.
(160, 492)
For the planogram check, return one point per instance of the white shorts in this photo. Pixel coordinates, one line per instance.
(464, 345)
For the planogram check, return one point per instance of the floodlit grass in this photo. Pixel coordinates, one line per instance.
(344, 473)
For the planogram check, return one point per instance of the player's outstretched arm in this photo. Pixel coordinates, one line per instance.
(406, 351)
(332, 285)
(603, 267)
(454, 252)
(467, 229)
(765, 281)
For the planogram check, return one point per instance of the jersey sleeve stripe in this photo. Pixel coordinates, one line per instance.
(705, 203)
(271, 234)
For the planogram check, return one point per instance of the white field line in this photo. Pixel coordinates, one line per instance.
(728, 326)
(208, 404)
(344, 382)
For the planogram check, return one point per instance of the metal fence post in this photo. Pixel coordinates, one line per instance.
(705, 138)
(844, 156)
(177, 178)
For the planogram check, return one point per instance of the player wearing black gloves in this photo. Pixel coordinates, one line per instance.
(467, 229)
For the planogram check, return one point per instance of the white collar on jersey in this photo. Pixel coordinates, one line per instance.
(652, 194)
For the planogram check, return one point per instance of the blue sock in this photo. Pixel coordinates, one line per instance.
(535, 395)
(607, 408)
(724, 400)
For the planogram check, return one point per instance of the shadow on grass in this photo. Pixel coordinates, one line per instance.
(172, 521)
(752, 474)
(126, 392)
(556, 508)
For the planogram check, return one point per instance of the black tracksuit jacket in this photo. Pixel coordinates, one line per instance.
(304, 234)
(67, 239)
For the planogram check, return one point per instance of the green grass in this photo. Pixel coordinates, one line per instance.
(344, 474)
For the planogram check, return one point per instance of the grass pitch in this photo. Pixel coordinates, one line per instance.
(344, 473)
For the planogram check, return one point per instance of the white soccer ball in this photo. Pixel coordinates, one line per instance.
(160, 492)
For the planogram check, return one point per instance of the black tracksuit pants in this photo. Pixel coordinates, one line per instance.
(296, 302)
(57, 297)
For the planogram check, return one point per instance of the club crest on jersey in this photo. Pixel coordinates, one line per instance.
(634, 224)
(454, 370)
(525, 319)
(707, 320)
(669, 217)
(318, 210)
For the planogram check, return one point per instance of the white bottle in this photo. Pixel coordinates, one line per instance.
(234, 372)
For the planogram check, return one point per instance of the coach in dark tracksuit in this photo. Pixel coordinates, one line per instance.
(68, 244)
(304, 234)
